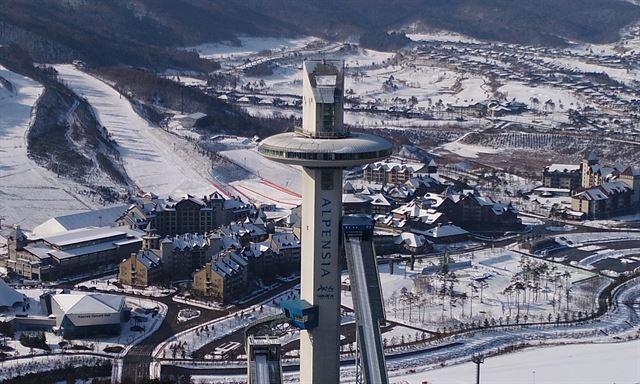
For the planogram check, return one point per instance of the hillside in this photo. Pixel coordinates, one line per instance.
(64, 130)
(147, 32)
(160, 97)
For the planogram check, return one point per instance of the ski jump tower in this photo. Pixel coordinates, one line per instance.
(323, 147)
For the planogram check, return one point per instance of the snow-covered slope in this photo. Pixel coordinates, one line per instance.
(29, 194)
(5, 88)
(571, 364)
(147, 151)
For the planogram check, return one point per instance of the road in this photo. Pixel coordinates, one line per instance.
(137, 360)
(622, 317)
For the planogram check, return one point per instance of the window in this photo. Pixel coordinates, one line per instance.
(327, 118)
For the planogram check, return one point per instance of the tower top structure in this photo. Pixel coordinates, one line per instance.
(323, 140)
(322, 105)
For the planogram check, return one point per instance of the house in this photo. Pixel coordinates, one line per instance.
(605, 200)
(473, 110)
(190, 214)
(564, 176)
(391, 171)
(224, 279)
(412, 242)
(141, 269)
(288, 248)
(354, 203)
(603, 191)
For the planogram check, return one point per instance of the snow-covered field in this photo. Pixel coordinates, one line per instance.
(148, 152)
(468, 150)
(485, 291)
(29, 194)
(571, 364)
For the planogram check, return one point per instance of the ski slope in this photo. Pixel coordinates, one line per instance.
(277, 183)
(147, 151)
(29, 194)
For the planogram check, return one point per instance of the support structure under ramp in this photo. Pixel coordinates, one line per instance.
(263, 360)
(367, 295)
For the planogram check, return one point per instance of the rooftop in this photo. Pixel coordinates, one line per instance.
(83, 235)
(354, 150)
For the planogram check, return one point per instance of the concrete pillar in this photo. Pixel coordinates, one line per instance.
(320, 279)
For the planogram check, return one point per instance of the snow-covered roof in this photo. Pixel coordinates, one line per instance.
(379, 200)
(410, 239)
(285, 240)
(189, 241)
(350, 198)
(85, 303)
(592, 194)
(8, 295)
(148, 258)
(95, 218)
(398, 165)
(602, 192)
(631, 171)
(445, 231)
(230, 264)
(615, 187)
(196, 115)
(83, 235)
(563, 168)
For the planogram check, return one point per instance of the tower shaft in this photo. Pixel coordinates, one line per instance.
(320, 275)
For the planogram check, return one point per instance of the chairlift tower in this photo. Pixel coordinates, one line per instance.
(323, 147)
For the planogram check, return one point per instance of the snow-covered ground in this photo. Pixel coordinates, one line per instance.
(148, 152)
(13, 368)
(613, 222)
(571, 364)
(250, 46)
(468, 150)
(106, 284)
(29, 194)
(491, 274)
(444, 36)
(621, 322)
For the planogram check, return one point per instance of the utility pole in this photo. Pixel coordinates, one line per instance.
(356, 361)
(534, 376)
(477, 360)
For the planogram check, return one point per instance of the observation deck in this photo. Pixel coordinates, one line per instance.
(349, 151)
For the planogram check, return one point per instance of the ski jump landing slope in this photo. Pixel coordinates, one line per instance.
(29, 194)
(147, 151)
